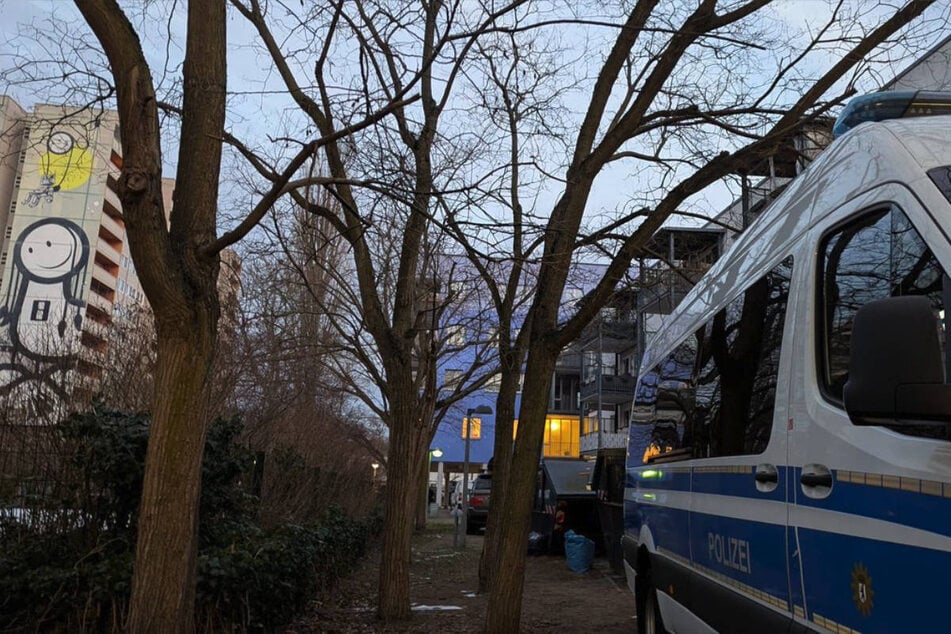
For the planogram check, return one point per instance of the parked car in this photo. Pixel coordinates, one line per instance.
(479, 503)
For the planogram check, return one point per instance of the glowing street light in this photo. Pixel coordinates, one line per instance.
(435, 452)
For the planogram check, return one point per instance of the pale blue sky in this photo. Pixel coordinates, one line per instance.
(258, 110)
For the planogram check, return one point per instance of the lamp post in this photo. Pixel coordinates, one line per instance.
(375, 465)
(435, 452)
(460, 541)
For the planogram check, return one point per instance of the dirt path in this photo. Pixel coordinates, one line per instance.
(443, 583)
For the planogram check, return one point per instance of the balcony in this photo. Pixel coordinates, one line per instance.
(610, 335)
(112, 225)
(615, 389)
(104, 277)
(609, 440)
(95, 328)
(98, 300)
(109, 251)
(112, 200)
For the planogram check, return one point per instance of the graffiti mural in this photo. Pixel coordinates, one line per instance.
(42, 312)
(64, 166)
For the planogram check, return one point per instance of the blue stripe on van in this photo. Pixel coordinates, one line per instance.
(908, 508)
(669, 528)
(905, 587)
(926, 511)
(738, 484)
(751, 553)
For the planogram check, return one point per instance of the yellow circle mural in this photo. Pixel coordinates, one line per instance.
(67, 165)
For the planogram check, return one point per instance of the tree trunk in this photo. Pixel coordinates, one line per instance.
(422, 494)
(163, 592)
(402, 497)
(501, 460)
(505, 596)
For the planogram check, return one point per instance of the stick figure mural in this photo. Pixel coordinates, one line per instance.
(43, 307)
(65, 165)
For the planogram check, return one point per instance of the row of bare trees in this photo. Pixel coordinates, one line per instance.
(498, 132)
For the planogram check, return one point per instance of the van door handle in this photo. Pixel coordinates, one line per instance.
(767, 478)
(816, 479)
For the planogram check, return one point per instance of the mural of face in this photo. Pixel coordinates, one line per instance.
(65, 162)
(42, 311)
(50, 252)
(60, 143)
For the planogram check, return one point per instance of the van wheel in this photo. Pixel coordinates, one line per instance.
(648, 612)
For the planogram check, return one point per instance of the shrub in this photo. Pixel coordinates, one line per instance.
(75, 574)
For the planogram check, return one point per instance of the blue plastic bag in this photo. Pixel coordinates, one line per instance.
(579, 552)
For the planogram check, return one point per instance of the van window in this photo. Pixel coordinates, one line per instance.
(714, 394)
(737, 369)
(667, 394)
(875, 256)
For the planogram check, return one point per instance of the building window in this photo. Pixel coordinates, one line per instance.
(476, 432)
(456, 335)
(561, 437)
(565, 393)
(451, 378)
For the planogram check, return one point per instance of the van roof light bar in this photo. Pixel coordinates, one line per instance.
(880, 106)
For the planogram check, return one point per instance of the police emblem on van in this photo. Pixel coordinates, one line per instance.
(862, 593)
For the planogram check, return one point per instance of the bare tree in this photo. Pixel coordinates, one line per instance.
(666, 98)
(294, 395)
(177, 256)
(387, 189)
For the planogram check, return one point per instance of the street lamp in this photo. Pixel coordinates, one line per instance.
(375, 465)
(460, 541)
(435, 452)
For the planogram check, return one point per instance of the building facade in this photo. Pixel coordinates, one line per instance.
(62, 253)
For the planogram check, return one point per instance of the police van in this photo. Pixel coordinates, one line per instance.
(790, 466)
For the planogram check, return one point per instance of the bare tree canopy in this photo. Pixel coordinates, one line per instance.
(500, 140)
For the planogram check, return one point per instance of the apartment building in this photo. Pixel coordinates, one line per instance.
(63, 252)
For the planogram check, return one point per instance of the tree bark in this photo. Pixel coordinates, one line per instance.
(400, 505)
(163, 590)
(505, 595)
(501, 459)
(179, 271)
(422, 495)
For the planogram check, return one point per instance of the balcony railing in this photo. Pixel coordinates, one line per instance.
(614, 389)
(609, 440)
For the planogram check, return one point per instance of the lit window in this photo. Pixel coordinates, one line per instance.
(476, 433)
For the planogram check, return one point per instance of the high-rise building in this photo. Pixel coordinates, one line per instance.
(63, 251)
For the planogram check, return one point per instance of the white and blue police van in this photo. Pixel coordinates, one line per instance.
(789, 463)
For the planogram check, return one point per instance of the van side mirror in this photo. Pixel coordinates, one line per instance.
(896, 369)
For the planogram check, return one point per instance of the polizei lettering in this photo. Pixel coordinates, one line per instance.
(730, 552)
